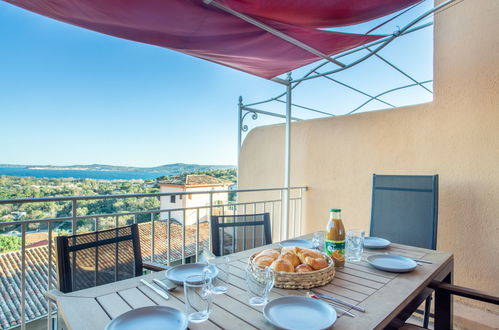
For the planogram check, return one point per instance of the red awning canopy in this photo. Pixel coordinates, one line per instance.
(201, 30)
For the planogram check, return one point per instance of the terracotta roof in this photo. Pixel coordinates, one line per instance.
(37, 268)
(193, 180)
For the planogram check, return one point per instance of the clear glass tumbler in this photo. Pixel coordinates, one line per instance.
(354, 245)
(221, 281)
(318, 241)
(198, 297)
(259, 282)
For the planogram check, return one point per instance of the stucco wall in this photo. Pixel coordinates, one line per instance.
(455, 136)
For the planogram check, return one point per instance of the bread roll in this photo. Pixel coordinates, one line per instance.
(303, 253)
(268, 252)
(303, 268)
(263, 261)
(290, 249)
(316, 263)
(291, 257)
(282, 265)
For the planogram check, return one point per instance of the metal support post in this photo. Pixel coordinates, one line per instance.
(287, 159)
(239, 132)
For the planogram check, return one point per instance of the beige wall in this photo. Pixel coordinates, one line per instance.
(456, 136)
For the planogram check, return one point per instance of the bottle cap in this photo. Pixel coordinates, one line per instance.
(335, 210)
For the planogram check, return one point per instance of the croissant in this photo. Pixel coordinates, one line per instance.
(282, 265)
(291, 257)
(316, 263)
(303, 268)
(303, 253)
(263, 261)
(268, 252)
(290, 249)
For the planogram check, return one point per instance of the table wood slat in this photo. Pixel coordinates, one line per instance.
(113, 304)
(77, 311)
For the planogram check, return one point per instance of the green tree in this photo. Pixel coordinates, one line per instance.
(9, 243)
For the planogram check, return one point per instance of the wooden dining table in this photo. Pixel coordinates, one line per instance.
(383, 295)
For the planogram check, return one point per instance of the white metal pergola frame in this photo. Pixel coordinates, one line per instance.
(245, 109)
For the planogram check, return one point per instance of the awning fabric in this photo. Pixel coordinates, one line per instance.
(200, 30)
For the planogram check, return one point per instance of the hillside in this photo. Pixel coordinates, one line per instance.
(174, 169)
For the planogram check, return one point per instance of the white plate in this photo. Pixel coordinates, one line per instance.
(376, 243)
(150, 318)
(179, 273)
(298, 312)
(392, 263)
(297, 242)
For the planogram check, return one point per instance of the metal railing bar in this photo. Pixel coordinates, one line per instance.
(184, 219)
(197, 235)
(23, 277)
(96, 251)
(144, 195)
(116, 246)
(209, 219)
(168, 236)
(49, 274)
(153, 230)
(82, 217)
(74, 210)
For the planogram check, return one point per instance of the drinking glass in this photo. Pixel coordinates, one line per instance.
(259, 282)
(318, 241)
(354, 245)
(221, 281)
(198, 297)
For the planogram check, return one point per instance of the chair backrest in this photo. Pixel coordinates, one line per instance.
(405, 209)
(234, 233)
(97, 258)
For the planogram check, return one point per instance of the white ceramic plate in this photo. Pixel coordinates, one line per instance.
(297, 242)
(179, 273)
(376, 243)
(150, 318)
(298, 312)
(392, 263)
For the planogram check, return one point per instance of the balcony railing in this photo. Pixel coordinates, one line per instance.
(166, 237)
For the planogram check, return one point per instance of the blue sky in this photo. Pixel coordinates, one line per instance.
(73, 96)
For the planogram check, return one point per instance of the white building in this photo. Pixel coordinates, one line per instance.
(189, 184)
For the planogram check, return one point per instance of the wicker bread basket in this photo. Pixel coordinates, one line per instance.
(307, 280)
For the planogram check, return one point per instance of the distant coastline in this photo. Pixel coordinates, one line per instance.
(103, 172)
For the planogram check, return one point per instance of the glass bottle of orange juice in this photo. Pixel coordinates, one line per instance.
(335, 238)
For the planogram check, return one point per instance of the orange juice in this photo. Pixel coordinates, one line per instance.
(335, 238)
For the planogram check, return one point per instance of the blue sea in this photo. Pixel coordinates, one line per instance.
(80, 174)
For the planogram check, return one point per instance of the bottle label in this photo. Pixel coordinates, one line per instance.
(336, 250)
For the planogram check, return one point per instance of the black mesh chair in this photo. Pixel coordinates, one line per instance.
(234, 233)
(405, 210)
(97, 258)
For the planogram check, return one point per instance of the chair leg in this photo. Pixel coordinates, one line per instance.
(426, 316)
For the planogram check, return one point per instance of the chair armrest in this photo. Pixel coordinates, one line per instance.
(154, 266)
(464, 292)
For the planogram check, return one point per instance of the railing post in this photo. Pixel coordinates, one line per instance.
(74, 208)
(49, 279)
(209, 219)
(152, 237)
(23, 277)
